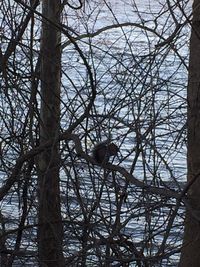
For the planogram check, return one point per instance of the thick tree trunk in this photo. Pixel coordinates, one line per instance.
(190, 255)
(50, 232)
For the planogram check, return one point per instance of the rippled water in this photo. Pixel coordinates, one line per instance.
(120, 58)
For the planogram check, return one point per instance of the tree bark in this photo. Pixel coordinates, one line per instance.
(50, 232)
(190, 255)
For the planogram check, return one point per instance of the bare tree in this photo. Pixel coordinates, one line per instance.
(74, 74)
(191, 244)
(50, 229)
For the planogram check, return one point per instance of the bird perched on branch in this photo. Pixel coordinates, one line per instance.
(103, 151)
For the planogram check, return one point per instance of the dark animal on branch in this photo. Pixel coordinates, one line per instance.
(103, 151)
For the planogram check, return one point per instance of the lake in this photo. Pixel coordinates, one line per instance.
(139, 71)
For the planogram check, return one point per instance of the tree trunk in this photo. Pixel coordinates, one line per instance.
(50, 232)
(190, 255)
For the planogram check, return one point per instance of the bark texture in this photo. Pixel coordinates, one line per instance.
(50, 232)
(190, 255)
